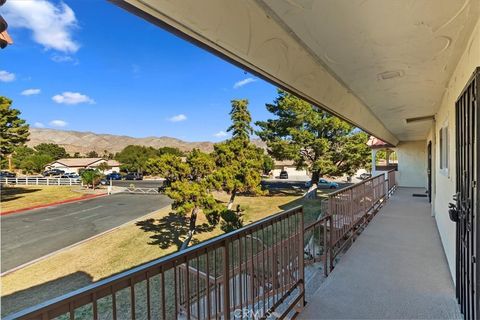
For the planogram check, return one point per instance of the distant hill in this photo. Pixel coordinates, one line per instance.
(83, 142)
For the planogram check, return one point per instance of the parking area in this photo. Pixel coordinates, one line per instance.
(32, 234)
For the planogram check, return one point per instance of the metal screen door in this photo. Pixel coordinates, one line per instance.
(467, 174)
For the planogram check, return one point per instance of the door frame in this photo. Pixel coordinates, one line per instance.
(429, 170)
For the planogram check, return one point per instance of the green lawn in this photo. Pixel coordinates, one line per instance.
(14, 198)
(124, 248)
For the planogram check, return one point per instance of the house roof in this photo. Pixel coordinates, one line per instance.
(110, 163)
(77, 162)
(376, 143)
(113, 163)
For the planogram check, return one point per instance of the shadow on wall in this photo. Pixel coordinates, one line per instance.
(29, 297)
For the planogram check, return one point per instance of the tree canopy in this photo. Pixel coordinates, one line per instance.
(188, 185)
(235, 166)
(241, 120)
(135, 157)
(13, 130)
(240, 163)
(51, 149)
(313, 138)
(35, 162)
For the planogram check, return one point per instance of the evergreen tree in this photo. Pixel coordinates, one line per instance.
(189, 186)
(241, 119)
(239, 162)
(313, 138)
(13, 130)
(51, 149)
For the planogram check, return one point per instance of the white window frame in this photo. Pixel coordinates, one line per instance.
(444, 149)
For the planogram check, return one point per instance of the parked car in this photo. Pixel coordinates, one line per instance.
(53, 172)
(70, 175)
(7, 174)
(113, 176)
(283, 174)
(365, 176)
(134, 176)
(325, 184)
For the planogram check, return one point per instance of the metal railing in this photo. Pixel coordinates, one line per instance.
(258, 268)
(392, 183)
(40, 181)
(392, 166)
(348, 210)
(254, 272)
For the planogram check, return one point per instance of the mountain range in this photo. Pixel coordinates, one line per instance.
(83, 142)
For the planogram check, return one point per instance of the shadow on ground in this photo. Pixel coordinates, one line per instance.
(25, 298)
(166, 231)
(171, 230)
(12, 193)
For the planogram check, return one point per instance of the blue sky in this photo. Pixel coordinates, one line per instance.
(88, 65)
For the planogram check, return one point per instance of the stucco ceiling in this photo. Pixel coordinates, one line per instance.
(397, 55)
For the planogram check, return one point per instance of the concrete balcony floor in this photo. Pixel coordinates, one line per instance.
(396, 269)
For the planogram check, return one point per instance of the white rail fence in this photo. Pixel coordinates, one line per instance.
(40, 181)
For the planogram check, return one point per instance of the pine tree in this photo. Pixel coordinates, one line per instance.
(313, 138)
(13, 130)
(239, 162)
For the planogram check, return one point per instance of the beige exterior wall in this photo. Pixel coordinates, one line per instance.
(60, 166)
(412, 165)
(292, 172)
(444, 186)
(412, 171)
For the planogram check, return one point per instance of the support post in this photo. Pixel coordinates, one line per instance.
(301, 263)
(226, 281)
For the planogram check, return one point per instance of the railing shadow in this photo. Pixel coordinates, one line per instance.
(43, 292)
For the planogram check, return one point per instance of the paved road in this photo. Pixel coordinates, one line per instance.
(32, 234)
(138, 183)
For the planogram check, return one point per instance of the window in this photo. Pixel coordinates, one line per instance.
(443, 136)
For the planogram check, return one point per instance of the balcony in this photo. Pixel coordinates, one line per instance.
(395, 269)
(278, 267)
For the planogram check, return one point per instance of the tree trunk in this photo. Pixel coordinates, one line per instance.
(315, 177)
(232, 198)
(311, 193)
(191, 228)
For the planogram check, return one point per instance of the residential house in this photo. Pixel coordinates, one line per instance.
(76, 164)
(290, 168)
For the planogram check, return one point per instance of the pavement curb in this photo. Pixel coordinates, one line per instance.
(86, 197)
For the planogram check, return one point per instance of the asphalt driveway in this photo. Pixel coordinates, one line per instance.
(32, 234)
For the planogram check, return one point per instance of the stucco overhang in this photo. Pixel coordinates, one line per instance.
(374, 63)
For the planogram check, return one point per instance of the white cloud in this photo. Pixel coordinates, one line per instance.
(6, 76)
(38, 125)
(51, 24)
(68, 97)
(221, 134)
(30, 92)
(243, 82)
(64, 58)
(178, 118)
(58, 123)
